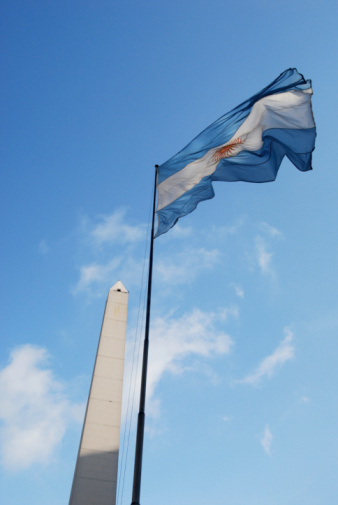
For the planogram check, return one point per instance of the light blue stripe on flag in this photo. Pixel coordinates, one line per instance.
(246, 144)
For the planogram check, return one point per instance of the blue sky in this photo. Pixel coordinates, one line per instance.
(242, 403)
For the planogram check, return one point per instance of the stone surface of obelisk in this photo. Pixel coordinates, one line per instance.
(95, 475)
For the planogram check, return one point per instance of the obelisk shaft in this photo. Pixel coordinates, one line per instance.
(95, 476)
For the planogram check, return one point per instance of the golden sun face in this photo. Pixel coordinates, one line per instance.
(227, 150)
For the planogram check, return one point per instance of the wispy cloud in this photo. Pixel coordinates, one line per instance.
(263, 251)
(177, 340)
(96, 278)
(264, 256)
(271, 230)
(266, 440)
(94, 274)
(114, 228)
(284, 352)
(184, 266)
(238, 290)
(179, 231)
(43, 247)
(34, 409)
(227, 312)
(222, 231)
(111, 245)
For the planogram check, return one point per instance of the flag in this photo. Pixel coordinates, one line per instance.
(246, 144)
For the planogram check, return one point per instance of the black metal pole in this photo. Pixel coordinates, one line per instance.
(141, 414)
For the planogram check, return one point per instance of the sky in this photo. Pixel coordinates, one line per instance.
(242, 395)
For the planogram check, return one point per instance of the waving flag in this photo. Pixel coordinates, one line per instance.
(246, 144)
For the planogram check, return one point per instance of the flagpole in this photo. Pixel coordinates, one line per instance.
(141, 414)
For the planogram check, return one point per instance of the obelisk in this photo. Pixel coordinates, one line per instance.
(95, 475)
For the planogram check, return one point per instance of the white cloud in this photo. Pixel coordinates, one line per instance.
(284, 352)
(263, 256)
(271, 230)
(184, 267)
(115, 257)
(43, 247)
(34, 410)
(263, 249)
(238, 290)
(266, 440)
(96, 278)
(222, 231)
(113, 228)
(179, 231)
(109, 246)
(225, 312)
(95, 274)
(173, 343)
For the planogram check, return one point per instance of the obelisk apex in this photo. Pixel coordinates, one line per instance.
(95, 475)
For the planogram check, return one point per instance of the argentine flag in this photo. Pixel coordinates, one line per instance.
(246, 144)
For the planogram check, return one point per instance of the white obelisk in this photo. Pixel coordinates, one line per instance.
(95, 475)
